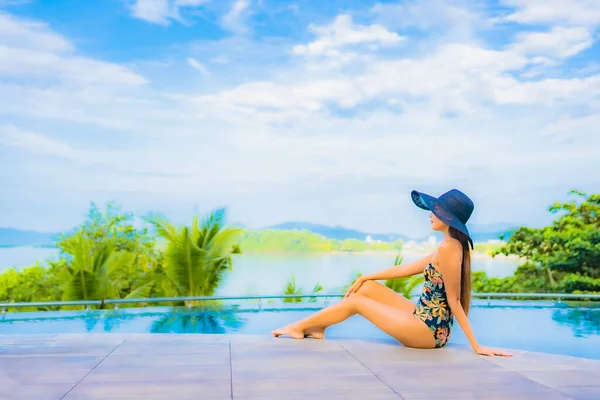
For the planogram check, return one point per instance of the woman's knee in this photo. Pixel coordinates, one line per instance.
(368, 286)
(355, 301)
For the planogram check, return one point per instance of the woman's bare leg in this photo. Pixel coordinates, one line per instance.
(333, 314)
(383, 294)
(377, 292)
(400, 325)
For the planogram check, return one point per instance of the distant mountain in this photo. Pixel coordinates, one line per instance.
(483, 233)
(337, 232)
(480, 233)
(11, 237)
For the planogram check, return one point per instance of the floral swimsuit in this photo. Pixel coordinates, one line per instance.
(432, 307)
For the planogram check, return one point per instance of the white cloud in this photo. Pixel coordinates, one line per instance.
(455, 112)
(558, 42)
(219, 60)
(157, 11)
(31, 35)
(235, 19)
(574, 128)
(452, 78)
(198, 66)
(13, 136)
(30, 49)
(341, 33)
(162, 11)
(14, 2)
(571, 12)
(446, 20)
(549, 91)
(28, 63)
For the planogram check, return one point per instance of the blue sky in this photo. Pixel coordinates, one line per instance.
(328, 112)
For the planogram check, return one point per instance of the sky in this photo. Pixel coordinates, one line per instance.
(323, 111)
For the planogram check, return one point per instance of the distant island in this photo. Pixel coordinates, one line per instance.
(256, 239)
(11, 237)
(479, 233)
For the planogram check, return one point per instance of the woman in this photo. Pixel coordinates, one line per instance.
(446, 293)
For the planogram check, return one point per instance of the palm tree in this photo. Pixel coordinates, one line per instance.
(195, 257)
(93, 270)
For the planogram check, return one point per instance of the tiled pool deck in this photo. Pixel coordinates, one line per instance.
(173, 367)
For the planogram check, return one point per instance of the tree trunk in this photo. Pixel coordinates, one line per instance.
(552, 281)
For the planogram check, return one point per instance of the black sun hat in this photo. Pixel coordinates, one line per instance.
(453, 208)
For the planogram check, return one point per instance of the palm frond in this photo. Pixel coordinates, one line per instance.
(197, 256)
(211, 226)
(163, 227)
(224, 241)
(141, 292)
(184, 262)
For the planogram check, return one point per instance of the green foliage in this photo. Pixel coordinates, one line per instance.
(291, 288)
(571, 244)
(306, 242)
(35, 283)
(112, 225)
(95, 270)
(196, 257)
(564, 256)
(573, 283)
(107, 257)
(528, 278)
(488, 248)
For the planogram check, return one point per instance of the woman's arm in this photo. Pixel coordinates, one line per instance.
(449, 265)
(398, 271)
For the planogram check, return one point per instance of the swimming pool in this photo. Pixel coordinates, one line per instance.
(534, 326)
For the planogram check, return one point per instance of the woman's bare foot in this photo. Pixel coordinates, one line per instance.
(315, 333)
(289, 330)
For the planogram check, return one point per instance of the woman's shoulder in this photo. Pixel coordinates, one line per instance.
(450, 245)
(448, 251)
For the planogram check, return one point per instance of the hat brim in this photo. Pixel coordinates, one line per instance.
(430, 203)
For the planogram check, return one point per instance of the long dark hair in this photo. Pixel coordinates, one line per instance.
(465, 275)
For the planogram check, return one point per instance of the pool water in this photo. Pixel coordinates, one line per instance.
(550, 328)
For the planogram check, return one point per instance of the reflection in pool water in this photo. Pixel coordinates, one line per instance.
(583, 321)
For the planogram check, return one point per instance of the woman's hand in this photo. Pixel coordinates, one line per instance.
(355, 286)
(486, 351)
